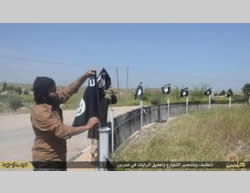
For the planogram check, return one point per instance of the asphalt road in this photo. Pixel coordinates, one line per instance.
(16, 135)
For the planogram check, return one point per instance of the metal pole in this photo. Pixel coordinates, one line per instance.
(209, 101)
(230, 101)
(112, 130)
(249, 99)
(141, 104)
(159, 113)
(127, 79)
(187, 105)
(118, 87)
(168, 107)
(103, 147)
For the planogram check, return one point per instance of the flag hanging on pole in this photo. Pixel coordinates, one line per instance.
(139, 92)
(166, 89)
(89, 104)
(184, 92)
(104, 80)
(208, 92)
(229, 93)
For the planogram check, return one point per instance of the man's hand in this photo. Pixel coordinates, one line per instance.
(111, 90)
(92, 122)
(90, 73)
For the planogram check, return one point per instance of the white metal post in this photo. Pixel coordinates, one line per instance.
(230, 101)
(209, 101)
(187, 105)
(112, 130)
(249, 99)
(103, 147)
(168, 107)
(141, 104)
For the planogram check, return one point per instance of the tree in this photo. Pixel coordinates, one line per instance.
(230, 91)
(19, 90)
(246, 90)
(4, 86)
(223, 92)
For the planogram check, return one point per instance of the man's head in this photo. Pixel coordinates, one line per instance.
(45, 91)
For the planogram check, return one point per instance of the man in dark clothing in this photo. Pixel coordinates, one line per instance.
(104, 103)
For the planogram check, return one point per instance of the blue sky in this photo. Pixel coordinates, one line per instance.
(180, 54)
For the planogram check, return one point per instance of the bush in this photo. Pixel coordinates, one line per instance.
(222, 93)
(11, 101)
(15, 103)
(175, 94)
(197, 94)
(25, 92)
(155, 101)
(246, 90)
(19, 90)
(11, 88)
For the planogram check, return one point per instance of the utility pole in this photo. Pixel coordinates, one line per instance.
(127, 78)
(118, 87)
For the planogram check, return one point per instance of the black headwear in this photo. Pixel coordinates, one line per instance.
(42, 85)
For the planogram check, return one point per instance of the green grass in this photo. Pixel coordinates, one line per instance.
(27, 98)
(74, 101)
(216, 135)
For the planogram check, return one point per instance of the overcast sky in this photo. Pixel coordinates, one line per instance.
(181, 54)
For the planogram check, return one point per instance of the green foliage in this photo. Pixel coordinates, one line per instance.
(74, 101)
(27, 99)
(11, 88)
(10, 102)
(230, 91)
(222, 93)
(155, 101)
(19, 90)
(197, 94)
(15, 103)
(153, 96)
(175, 95)
(25, 92)
(246, 90)
(126, 98)
(201, 136)
(4, 86)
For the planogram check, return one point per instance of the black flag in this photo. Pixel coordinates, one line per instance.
(184, 92)
(139, 92)
(166, 89)
(229, 93)
(89, 103)
(208, 92)
(104, 80)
